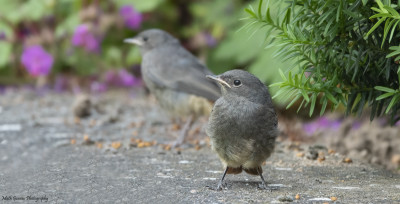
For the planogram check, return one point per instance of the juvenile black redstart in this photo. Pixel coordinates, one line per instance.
(243, 124)
(175, 77)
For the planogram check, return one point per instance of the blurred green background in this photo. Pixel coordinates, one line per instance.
(83, 39)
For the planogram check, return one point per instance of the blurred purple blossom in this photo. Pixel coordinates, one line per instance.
(127, 79)
(84, 38)
(2, 36)
(121, 78)
(210, 40)
(132, 18)
(98, 87)
(60, 83)
(321, 123)
(356, 125)
(36, 60)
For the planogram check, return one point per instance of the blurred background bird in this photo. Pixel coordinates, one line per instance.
(175, 77)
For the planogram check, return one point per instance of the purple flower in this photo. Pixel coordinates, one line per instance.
(321, 123)
(98, 87)
(121, 78)
(127, 79)
(356, 125)
(2, 36)
(60, 83)
(132, 18)
(84, 38)
(211, 41)
(36, 60)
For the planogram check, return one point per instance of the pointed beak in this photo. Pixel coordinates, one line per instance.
(219, 80)
(134, 41)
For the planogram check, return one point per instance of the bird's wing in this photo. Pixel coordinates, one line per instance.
(181, 71)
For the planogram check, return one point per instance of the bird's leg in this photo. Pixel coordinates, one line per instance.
(221, 182)
(263, 185)
(183, 132)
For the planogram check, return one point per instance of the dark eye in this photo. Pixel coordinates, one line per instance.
(237, 82)
(145, 39)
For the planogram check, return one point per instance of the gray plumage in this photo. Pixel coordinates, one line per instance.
(243, 124)
(175, 76)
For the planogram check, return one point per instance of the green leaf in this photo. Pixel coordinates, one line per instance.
(392, 11)
(5, 50)
(394, 28)
(324, 104)
(381, 6)
(384, 89)
(388, 25)
(281, 91)
(251, 13)
(305, 95)
(397, 52)
(282, 75)
(67, 26)
(313, 100)
(301, 105)
(293, 100)
(339, 11)
(133, 56)
(375, 26)
(331, 97)
(290, 78)
(141, 5)
(259, 9)
(7, 29)
(364, 2)
(113, 55)
(392, 103)
(384, 96)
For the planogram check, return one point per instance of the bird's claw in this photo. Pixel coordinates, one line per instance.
(262, 186)
(220, 186)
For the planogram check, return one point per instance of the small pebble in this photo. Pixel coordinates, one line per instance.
(347, 160)
(312, 154)
(116, 145)
(81, 107)
(285, 199)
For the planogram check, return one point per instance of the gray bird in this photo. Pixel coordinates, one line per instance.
(243, 124)
(175, 77)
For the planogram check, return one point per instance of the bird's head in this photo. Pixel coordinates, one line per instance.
(239, 83)
(150, 39)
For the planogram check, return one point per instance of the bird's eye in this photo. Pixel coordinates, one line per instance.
(145, 39)
(237, 82)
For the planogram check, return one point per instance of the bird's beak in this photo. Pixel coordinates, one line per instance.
(219, 80)
(134, 41)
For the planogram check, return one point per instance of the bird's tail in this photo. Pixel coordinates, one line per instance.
(254, 171)
(232, 170)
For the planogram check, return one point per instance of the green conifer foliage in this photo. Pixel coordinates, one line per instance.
(347, 50)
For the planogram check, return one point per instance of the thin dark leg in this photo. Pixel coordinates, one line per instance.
(220, 184)
(183, 132)
(263, 185)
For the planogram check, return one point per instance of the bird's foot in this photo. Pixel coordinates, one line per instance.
(176, 143)
(263, 186)
(220, 187)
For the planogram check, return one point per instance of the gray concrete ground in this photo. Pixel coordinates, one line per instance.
(43, 154)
